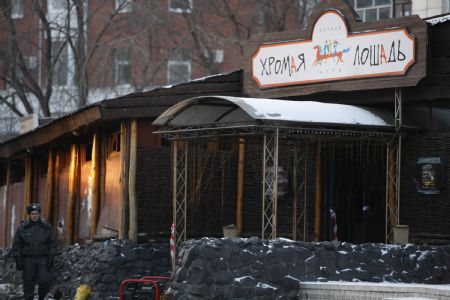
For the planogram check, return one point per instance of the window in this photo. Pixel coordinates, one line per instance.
(17, 170)
(180, 6)
(3, 172)
(88, 152)
(402, 8)
(124, 6)
(178, 71)
(371, 10)
(216, 55)
(56, 4)
(16, 9)
(60, 70)
(123, 66)
(43, 166)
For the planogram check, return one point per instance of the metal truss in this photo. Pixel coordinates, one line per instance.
(393, 168)
(392, 188)
(252, 129)
(270, 184)
(180, 150)
(205, 132)
(299, 201)
(398, 108)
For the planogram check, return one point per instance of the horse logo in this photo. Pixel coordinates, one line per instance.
(323, 54)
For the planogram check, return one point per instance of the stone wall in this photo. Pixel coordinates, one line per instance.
(239, 268)
(258, 269)
(102, 266)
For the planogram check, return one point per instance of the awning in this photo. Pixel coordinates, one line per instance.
(213, 114)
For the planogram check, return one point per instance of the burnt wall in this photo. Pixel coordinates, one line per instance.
(426, 212)
(234, 268)
(153, 191)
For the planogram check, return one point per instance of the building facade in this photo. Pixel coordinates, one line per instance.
(61, 55)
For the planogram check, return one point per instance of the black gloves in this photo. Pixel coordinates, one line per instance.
(19, 263)
(51, 260)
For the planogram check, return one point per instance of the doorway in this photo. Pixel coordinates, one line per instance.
(354, 188)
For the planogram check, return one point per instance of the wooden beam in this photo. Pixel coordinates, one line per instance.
(28, 184)
(240, 187)
(124, 171)
(49, 192)
(51, 132)
(56, 195)
(6, 214)
(95, 175)
(70, 214)
(318, 204)
(133, 227)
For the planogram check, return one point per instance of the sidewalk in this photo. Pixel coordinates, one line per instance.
(373, 291)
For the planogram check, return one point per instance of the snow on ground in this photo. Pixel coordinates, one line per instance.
(385, 283)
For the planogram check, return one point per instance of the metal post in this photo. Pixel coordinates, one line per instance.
(299, 201)
(393, 168)
(270, 185)
(180, 149)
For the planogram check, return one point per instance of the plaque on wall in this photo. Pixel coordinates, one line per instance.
(430, 173)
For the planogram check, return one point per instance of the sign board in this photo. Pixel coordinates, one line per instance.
(331, 51)
(430, 175)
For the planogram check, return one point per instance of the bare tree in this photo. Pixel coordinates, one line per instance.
(85, 43)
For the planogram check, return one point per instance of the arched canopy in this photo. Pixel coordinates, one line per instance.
(225, 115)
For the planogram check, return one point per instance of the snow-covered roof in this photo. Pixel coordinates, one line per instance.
(438, 19)
(223, 109)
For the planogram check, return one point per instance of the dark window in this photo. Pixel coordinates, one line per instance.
(124, 6)
(371, 14)
(123, 66)
(178, 71)
(60, 68)
(180, 6)
(3, 172)
(16, 9)
(88, 152)
(402, 8)
(17, 170)
(364, 3)
(43, 166)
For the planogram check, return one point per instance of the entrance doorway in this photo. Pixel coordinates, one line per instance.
(354, 187)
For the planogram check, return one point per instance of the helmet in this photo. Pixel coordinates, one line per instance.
(33, 206)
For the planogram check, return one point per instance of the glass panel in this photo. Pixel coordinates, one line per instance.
(16, 9)
(351, 2)
(124, 74)
(371, 14)
(60, 67)
(181, 5)
(360, 13)
(383, 2)
(384, 13)
(407, 10)
(178, 72)
(364, 3)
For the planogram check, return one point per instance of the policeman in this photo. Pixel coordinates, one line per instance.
(34, 249)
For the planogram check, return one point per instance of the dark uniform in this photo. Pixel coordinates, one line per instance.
(34, 249)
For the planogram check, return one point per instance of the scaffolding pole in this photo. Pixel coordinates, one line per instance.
(270, 184)
(393, 168)
(180, 149)
(299, 201)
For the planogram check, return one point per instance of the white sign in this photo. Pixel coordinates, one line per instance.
(334, 54)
